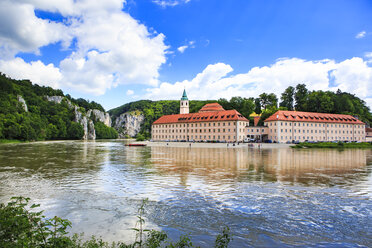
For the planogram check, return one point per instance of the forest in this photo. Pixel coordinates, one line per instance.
(43, 120)
(293, 98)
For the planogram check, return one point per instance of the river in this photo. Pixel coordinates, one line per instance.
(268, 197)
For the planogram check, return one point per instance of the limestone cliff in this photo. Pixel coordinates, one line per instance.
(129, 124)
(101, 116)
(23, 103)
(85, 120)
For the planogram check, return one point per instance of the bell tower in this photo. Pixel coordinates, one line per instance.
(184, 104)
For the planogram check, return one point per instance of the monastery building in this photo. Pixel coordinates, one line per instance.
(289, 126)
(211, 123)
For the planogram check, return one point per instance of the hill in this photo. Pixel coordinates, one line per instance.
(32, 112)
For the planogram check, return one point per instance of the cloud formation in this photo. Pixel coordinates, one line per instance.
(36, 71)
(128, 54)
(216, 81)
(190, 44)
(361, 35)
(169, 3)
(22, 31)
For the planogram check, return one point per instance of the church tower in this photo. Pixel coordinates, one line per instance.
(184, 104)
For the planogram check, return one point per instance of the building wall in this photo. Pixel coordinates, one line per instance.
(222, 131)
(284, 131)
(257, 133)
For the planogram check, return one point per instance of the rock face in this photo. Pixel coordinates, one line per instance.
(55, 99)
(129, 123)
(91, 131)
(23, 102)
(84, 119)
(98, 115)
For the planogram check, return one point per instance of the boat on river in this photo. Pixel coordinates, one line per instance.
(135, 144)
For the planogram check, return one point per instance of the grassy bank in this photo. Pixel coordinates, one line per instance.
(7, 141)
(333, 145)
(22, 226)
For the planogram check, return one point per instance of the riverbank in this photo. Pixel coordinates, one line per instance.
(333, 145)
(212, 145)
(6, 141)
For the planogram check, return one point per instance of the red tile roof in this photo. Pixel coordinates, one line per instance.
(211, 107)
(282, 115)
(224, 115)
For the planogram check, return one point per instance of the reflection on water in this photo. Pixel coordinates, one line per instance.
(268, 197)
(285, 165)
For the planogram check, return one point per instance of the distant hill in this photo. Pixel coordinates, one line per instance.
(32, 112)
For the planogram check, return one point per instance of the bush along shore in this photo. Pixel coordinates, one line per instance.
(339, 145)
(22, 226)
(6, 141)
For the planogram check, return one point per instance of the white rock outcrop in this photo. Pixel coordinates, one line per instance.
(23, 102)
(129, 123)
(99, 115)
(55, 99)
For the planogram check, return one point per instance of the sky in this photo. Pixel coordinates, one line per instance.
(117, 51)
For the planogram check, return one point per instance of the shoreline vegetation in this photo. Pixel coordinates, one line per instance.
(338, 145)
(22, 226)
(7, 141)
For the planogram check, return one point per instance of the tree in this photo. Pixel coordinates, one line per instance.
(288, 98)
(224, 103)
(75, 131)
(105, 132)
(301, 96)
(268, 100)
(320, 101)
(258, 107)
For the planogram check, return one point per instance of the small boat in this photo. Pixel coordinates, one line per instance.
(135, 144)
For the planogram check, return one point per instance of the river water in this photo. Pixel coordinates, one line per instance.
(268, 197)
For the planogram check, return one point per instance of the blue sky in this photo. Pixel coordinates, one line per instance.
(116, 51)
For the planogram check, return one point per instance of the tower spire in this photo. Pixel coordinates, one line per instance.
(184, 96)
(184, 103)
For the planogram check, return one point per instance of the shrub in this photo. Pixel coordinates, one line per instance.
(140, 137)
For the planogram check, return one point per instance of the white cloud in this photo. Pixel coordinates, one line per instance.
(130, 92)
(352, 75)
(368, 55)
(22, 31)
(360, 35)
(190, 44)
(169, 3)
(112, 48)
(35, 71)
(181, 49)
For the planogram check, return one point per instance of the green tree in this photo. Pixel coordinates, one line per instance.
(75, 131)
(288, 98)
(258, 107)
(301, 97)
(268, 100)
(105, 132)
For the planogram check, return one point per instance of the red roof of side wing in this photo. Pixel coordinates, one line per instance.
(282, 115)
